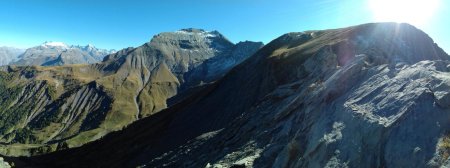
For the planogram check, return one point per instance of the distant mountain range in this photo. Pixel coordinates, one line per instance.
(371, 95)
(58, 53)
(9, 54)
(52, 54)
(44, 109)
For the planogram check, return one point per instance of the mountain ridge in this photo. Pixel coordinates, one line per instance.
(76, 104)
(345, 97)
(59, 53)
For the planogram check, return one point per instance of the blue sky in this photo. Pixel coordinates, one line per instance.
(116, 24)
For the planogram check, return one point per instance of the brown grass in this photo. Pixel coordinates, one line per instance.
(444, 147)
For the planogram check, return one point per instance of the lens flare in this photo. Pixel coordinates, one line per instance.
(416, 12)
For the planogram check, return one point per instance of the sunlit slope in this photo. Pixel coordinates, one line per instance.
(369, 95)
(50, 108)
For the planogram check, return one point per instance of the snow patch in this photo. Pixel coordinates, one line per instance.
(335, 134)
(204, 34)
(54, 44)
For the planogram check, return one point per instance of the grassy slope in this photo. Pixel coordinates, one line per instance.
(63, 80)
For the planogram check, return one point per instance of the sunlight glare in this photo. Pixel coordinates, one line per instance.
(416, 12)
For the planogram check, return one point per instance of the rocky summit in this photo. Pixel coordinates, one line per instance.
(50, 108)
(373, 95)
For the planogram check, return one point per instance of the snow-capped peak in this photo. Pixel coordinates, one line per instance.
(55, 44)
(201, 32)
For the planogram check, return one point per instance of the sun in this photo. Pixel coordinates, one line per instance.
(416, 12)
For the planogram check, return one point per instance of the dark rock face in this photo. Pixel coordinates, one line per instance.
(53, 108)
(214, 68)
(195, 55)
(373, 95)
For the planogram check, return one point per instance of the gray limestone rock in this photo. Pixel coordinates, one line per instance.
(373, 95)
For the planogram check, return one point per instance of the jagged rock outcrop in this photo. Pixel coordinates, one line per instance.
(372, 95)
(57, 53)
(44, 109)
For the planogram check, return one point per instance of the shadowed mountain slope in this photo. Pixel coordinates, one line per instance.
(44, 109)
(373, 95)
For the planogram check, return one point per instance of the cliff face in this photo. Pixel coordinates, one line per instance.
(51, 108)
(374, 95)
